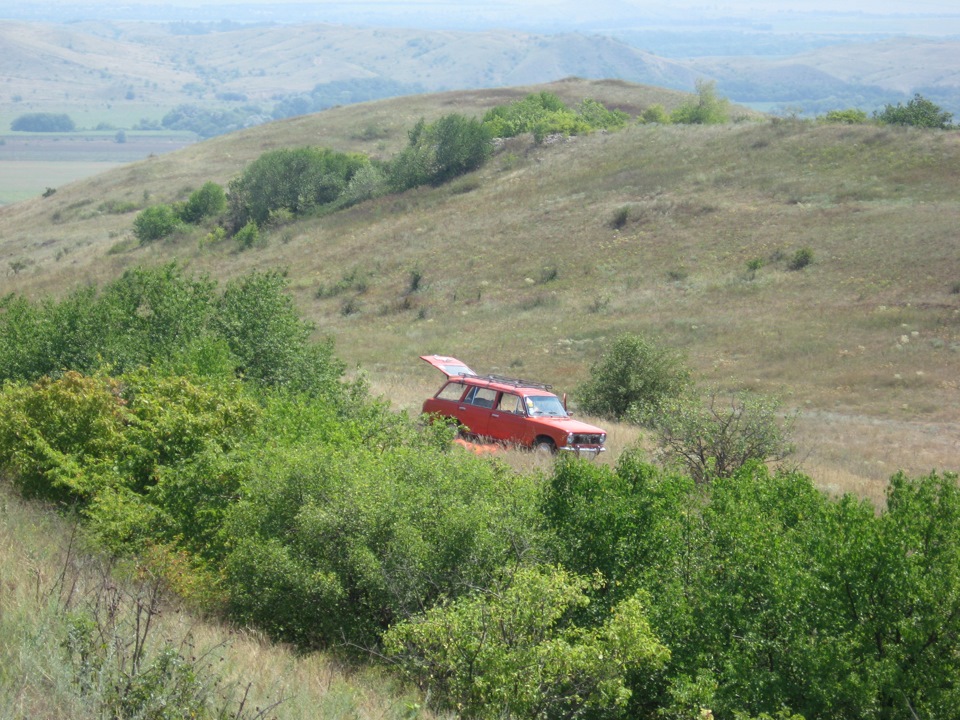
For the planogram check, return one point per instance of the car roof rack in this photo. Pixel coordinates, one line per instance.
(514, 382)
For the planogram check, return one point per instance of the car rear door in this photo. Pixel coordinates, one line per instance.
(508, 421)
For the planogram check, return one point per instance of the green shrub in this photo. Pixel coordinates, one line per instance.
(851, 116)
(918, 112)
(545, 114)
(436, 153)
(633, 377)
(657, 114)
(293, 179)
(620, 218)
(209, 201)
(43, 122)
(248, 235)
(269, 340)
(706, 109)
(336, 543)
(155, 223)
(600, 117)
(512, 651)
(801, 258)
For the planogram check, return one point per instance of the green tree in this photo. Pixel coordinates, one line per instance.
(716, 436)
(633, 377)
(269, 340)
(851, 116)
(919, 112)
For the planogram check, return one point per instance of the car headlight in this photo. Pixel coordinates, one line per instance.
(603, 438)
(570, 439)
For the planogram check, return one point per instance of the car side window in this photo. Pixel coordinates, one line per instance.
(510, 403)
(451, 391)
(481, 397)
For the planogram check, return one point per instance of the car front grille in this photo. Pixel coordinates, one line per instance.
(585, 439)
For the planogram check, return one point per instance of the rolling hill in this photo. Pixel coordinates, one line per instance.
(530, 265)
(122, 72)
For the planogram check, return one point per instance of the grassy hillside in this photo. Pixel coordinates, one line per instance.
(46, 578)
(531, 264)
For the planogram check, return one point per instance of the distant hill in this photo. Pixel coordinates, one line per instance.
(530, 265)
(121, 73)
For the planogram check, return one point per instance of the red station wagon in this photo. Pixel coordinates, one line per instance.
(509, 410)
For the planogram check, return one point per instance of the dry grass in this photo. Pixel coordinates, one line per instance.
(524, 271)
(38, 567)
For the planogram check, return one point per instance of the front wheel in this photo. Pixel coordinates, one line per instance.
(544, 445)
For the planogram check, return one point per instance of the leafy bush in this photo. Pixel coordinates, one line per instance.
(715, 437)
(599, 116)
(851, 116)
(162, 316)
(293, 179)
(655, 114)
(707, 109)
(248, 235)
(43, 122)
(545, 114)
(801, 258)
(155, 223)
(919, 112)
(335, 543)
(633, 378)
(270, 342)
(513, 650)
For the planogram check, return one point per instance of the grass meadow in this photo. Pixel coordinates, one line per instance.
(530, 265)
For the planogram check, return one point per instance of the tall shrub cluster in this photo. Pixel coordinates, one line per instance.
(546, 114)
(769, 594)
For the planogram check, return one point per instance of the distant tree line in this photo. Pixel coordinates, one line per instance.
(43, 122)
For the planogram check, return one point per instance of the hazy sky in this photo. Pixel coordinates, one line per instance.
(926, 17)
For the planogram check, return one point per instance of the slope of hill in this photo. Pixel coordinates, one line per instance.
(531, 264)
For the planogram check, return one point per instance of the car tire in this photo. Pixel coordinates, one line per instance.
(544, 445)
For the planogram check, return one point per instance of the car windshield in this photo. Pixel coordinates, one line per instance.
(545, 405)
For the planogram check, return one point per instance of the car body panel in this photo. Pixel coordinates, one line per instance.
(508, 410)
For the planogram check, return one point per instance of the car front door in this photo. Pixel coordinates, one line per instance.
(508, 421)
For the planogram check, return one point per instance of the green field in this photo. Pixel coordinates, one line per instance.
(32, 162)
(25, 179)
